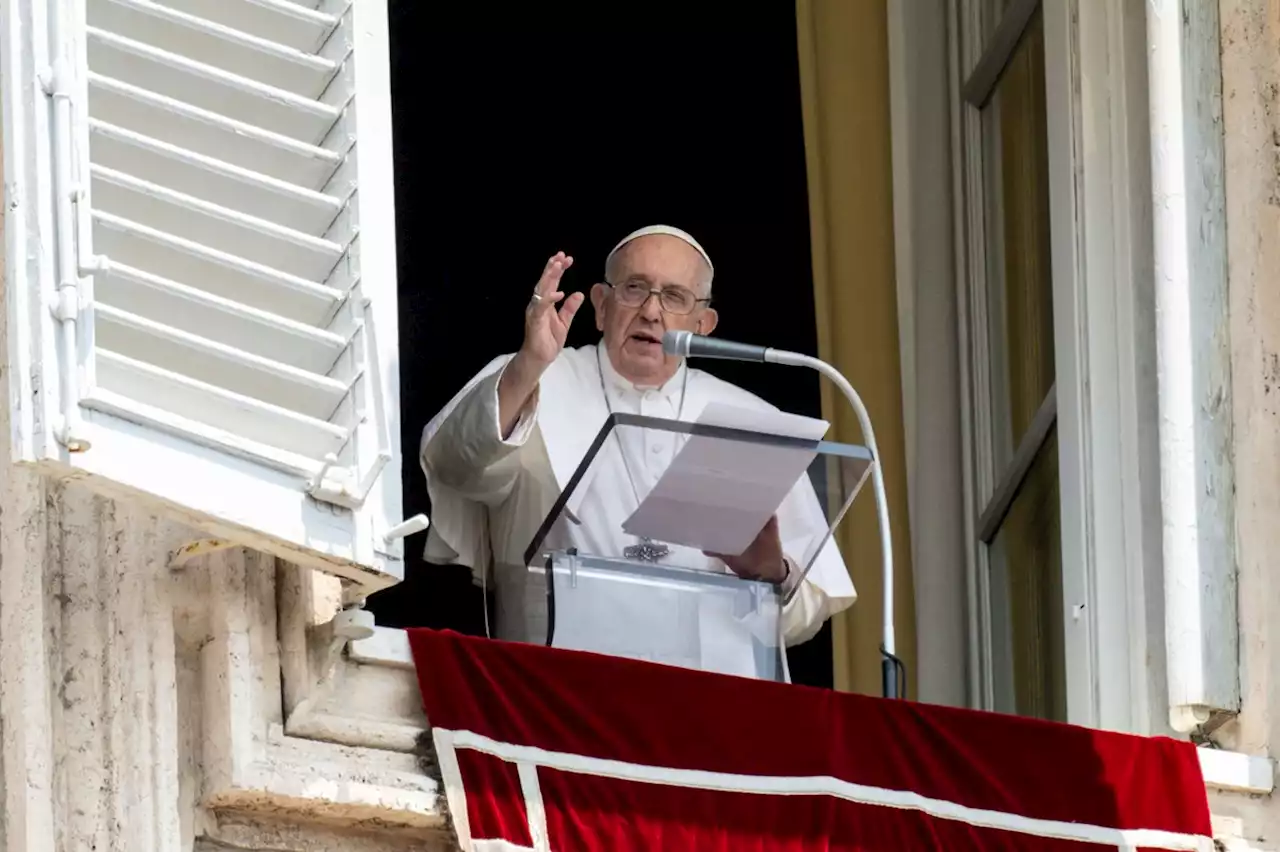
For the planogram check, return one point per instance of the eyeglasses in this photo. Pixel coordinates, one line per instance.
(674, 299)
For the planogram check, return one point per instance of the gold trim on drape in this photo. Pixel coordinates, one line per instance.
(844, 88)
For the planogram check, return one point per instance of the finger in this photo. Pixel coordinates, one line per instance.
(541, 304)
(541, 287)
(570, 307)
(551, 275)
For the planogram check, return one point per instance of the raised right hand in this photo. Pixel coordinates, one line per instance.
(545, 326)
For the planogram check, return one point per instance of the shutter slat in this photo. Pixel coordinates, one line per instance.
(280, 21)
(214, 180)
(231, 95)
(200, 181)
(205, 132)
(213, 226)
(133, 388)
(215, 44)
(218, 272)
(218, 364)
(236, 324)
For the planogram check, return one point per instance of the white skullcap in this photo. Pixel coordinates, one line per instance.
(667, 230)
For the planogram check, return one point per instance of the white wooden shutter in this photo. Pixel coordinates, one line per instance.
(213, 323)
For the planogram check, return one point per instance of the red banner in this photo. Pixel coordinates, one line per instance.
(559, 751)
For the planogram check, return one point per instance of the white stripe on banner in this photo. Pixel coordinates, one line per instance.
(455, 793)
(533, 807)
(822, 785)
(497, 846)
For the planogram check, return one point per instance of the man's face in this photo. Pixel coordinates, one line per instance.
(633, 335)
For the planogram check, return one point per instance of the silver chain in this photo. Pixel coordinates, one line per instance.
(646, 550)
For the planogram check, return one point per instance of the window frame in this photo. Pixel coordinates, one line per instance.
(1104, 347)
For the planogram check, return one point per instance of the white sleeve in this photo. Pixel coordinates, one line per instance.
(469, 466)
(463, 449)
(827, 589)
(812, 605)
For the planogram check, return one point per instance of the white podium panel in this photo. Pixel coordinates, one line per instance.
(693, 619)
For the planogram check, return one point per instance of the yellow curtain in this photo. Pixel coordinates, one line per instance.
(844, 86)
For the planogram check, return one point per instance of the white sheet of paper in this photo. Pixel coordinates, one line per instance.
(718, 494)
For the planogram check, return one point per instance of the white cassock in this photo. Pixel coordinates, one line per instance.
(489, 495)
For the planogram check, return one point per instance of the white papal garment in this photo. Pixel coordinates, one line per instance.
(490, 495)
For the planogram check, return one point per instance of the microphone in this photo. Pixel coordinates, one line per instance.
(686, 344)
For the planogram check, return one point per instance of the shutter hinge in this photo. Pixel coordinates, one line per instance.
(339, 491)
(65, 305)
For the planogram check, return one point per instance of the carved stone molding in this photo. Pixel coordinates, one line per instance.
(143, 708)
(332, 695)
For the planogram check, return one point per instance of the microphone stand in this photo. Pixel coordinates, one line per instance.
(892, 670)
(685, 343)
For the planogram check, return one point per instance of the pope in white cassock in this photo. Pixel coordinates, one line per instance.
(499, 454)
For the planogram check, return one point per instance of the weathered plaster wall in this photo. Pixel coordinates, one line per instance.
(143, 706)
(1251, 115)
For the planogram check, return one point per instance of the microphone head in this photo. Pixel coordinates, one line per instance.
(677, 343)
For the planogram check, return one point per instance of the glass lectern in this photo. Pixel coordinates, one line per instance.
(626, 551)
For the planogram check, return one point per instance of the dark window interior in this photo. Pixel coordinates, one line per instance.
(517, 135)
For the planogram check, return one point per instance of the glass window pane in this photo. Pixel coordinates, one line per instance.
(1019, 292)
(1026, 597)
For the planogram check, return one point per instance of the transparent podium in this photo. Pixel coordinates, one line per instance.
(625, 552)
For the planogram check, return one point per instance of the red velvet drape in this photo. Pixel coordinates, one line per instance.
(561, 750)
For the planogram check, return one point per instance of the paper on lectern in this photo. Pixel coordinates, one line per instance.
(717, 494)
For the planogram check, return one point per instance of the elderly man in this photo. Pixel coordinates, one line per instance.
(498, 455)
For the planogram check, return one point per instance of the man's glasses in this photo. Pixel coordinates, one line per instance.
(674, 299)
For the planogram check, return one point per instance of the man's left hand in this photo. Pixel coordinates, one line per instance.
(762, 560)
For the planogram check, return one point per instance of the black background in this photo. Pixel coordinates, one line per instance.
(518, 135)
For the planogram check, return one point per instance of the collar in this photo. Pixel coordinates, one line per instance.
(617, 382)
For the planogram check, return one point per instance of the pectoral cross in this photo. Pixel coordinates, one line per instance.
(647, 551)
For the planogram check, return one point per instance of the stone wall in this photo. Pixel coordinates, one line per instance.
(147, 707)
(1251, 116)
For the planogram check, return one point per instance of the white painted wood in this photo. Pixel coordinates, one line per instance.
(1104, 355)
(29, 271)
(1233, 772)
(238, 97)
(1065, 113)
(1117, 399)
(209, 133)
(216, 181)
(247, 300)
(297, 25)
(216, 44)
(1198, 487)
(199, 312)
